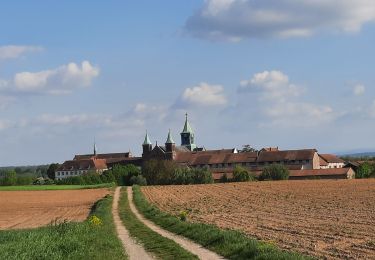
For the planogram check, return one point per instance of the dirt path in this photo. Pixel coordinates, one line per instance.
(133, 250)
(187, 244)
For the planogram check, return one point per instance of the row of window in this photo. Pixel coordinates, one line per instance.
(253, 164)
(70, 173)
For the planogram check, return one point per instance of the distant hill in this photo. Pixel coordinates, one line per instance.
(364, 154)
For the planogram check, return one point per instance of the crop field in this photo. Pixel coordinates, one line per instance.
(323, 218)
(30, 209)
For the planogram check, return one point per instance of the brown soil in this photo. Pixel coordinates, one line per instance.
(332, 219)
(29, 209)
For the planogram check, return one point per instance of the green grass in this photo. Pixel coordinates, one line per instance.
(66, 240)
(228, 243)
(159, 246)
(55, 187)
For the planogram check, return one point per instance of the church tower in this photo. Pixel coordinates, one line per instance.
(187, 136)
(170, 147)
(146, 146)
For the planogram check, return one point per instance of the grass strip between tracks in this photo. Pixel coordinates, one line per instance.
(228, 243)
(160, 246)
(66, 240)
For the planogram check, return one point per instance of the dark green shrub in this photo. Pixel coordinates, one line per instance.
(9, 179)
(202, 176)
(240, 174)
(274, 172)
(138, 180)
(224, 178)
(365, 170)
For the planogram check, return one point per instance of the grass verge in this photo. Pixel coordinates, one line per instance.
(154, 243)
(66, 240)
(228, 243)
(55, 187)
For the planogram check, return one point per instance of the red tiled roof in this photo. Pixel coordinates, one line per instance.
(322, 162)
(319, 172)
(102, 156)
(214, 157)
(85, 164)
(331, 158)
(288, 155)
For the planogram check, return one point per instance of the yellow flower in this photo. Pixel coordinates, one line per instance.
(95, 221)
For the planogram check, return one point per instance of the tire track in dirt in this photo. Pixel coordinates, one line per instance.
(187, 244)
(134, 250)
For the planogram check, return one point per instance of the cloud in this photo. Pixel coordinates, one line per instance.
(15, 51)
(56, 81)
(234, 20)
(203, 94)
(272, 85)
(359, 90)
(277, 101)
(75, 119)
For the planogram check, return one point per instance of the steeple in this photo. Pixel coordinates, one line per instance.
(95, 147)
(169, 138)
(147, 139)
(187, 135)
(147, 145)
(170, 147)
(187, 127)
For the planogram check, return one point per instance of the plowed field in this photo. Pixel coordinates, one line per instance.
(29, 209)
(332, 219)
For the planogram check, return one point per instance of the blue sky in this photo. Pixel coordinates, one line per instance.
(287, 73)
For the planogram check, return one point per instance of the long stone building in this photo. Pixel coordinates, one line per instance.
(304, 163)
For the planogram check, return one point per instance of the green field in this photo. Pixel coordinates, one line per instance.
(66, 240)
(55, 187)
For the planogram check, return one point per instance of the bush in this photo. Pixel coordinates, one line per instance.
(138, 180)
(240, 174)
(274, 172)
(9, 179)
(365, 170)
(164, 172)
(224, 178)
(122, 174)
(202, 176)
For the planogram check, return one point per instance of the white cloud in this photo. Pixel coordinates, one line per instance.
(56, 81)
(272, 85)
(75, 119)
(359, 90)
(279, 102)
(233, 20)
(15, 51)
(203, 95)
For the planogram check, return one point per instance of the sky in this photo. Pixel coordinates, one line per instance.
(287, 73)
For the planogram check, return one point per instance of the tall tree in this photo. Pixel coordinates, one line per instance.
(51, 170)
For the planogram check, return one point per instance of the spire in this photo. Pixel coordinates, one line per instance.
(169, 138)
(94, 147)
(147, 139)
(187, 127)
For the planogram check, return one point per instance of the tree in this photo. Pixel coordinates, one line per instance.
(240, 174)
(159, 172)
(10, 178)
(274, 172)
(51, 170)
(248, 148)
(365, 170)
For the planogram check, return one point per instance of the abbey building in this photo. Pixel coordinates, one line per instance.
(302, 164)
